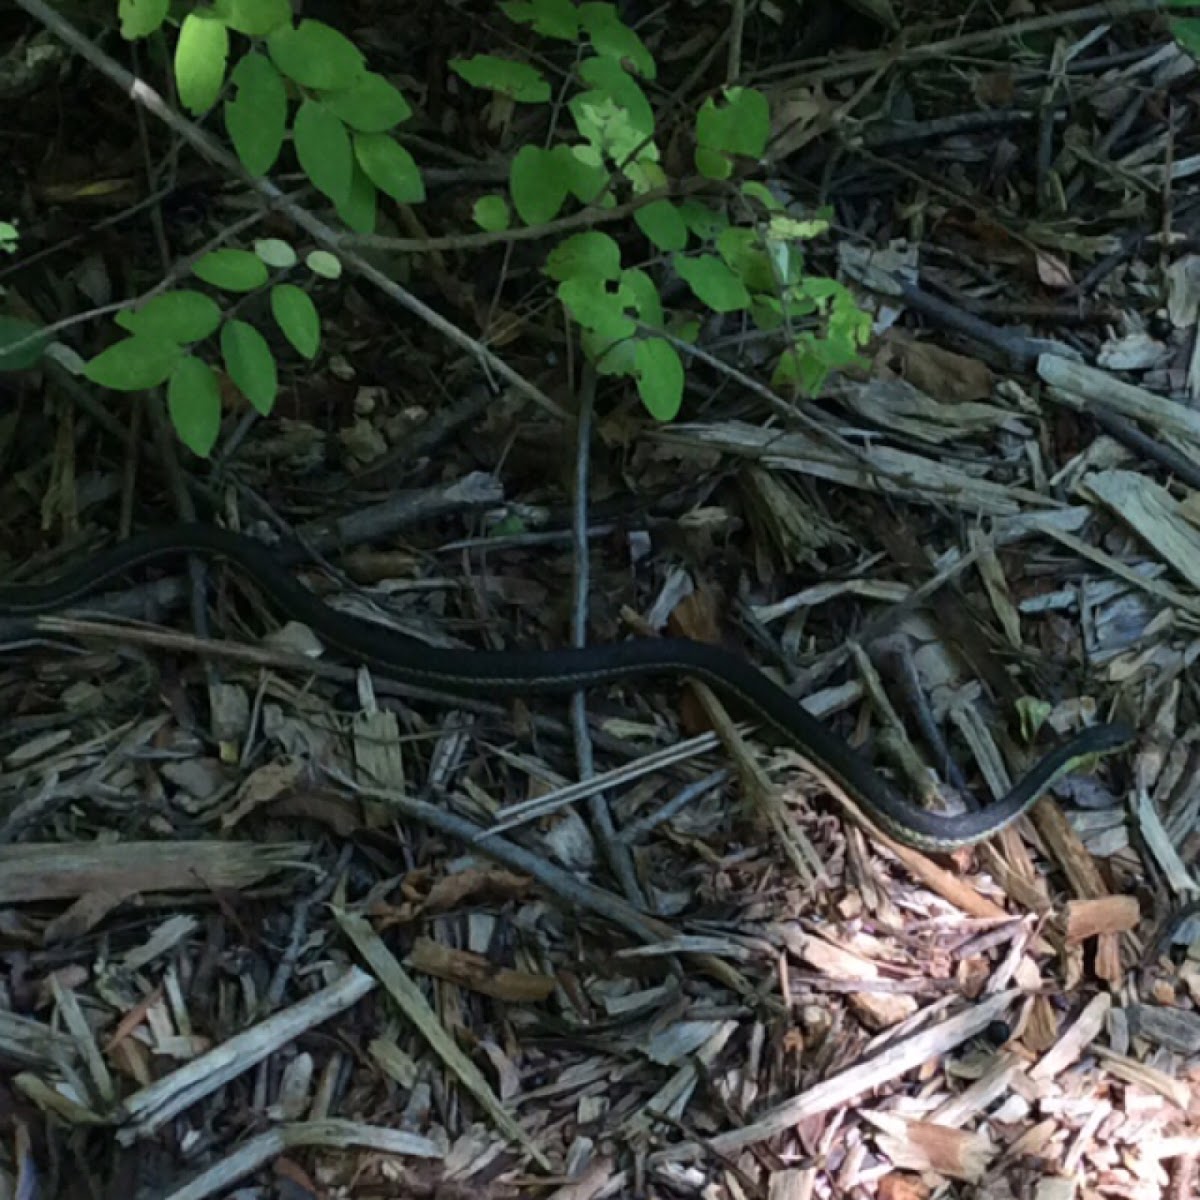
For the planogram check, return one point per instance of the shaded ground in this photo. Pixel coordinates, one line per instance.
(247, 940)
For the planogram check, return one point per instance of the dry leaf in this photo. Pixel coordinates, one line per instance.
(336, 813)
(477, 973)
(898, 1186)
(452, 891)
(262, 786)
(1052, 271)
(86, 913)
(995, 88)
(695, 616)
(941, 373)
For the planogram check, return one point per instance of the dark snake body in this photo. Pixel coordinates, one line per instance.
(494, 673)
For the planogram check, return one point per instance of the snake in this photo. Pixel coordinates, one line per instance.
(489, 673)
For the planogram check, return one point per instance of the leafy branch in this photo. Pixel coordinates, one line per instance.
(725, 236)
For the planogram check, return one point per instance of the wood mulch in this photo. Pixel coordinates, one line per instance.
(271, 925)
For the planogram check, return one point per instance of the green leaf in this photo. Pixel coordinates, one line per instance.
(358, 209)
(194, 403)
(200, 55)
(297, 318)
(1186, 31)
(827, 292)
(713, 282)
(790, 229)
(801, 368)
(491, 213)
(537, 183)
(254, 18)
(786, 369)
(659, 377)
(324, 150)
(712, 164)
(810, 359)
(9, 237)
(321, 262)
(743, 252)
(766, 312)
(517, 80)
(645, 174)
(739, 126)
(250, 364)
(551, 18)
(662, 224)
(372, 105)
(140, 18)
(752, 189)
(589, 302)
(592, 254)
(133, 364)
(12, 331)
(277, 253)
(850, 325)
(612, 38)
(600, 120)
(316, 56)
(788, 258)
(611, 356)
(232, 270)
(624, 135)
(706, 223)
(685, 327)
(257, 116)
(583, 168)
(797, 304)
(508, 526)
(390, 167)
(607, 76)
(637, 287)
(181, 317)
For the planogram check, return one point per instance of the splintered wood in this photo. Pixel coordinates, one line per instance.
(276, 923)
